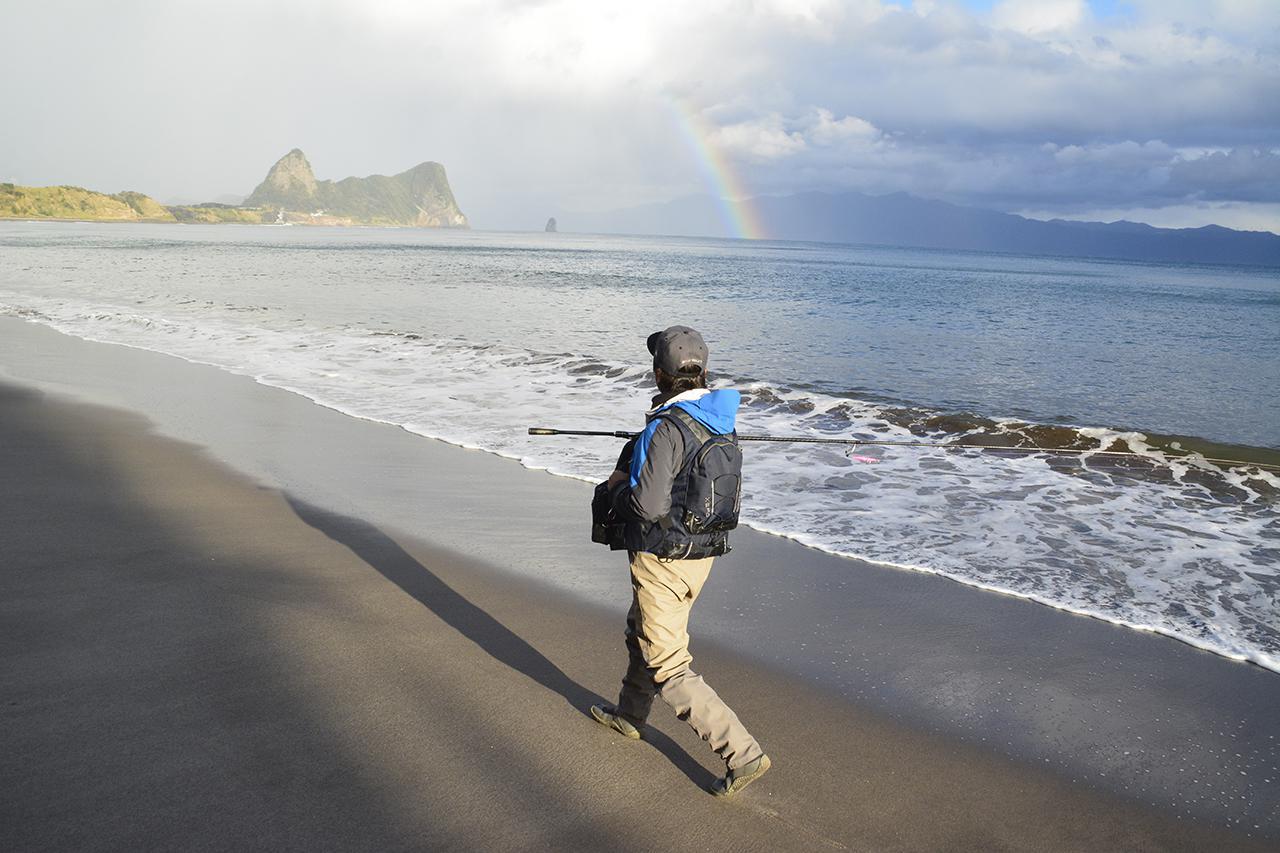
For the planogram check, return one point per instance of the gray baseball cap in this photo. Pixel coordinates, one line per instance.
(677, 347)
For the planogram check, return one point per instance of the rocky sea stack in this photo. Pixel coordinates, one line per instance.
(419, 197)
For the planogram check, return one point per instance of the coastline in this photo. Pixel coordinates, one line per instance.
(913, 651)
(354, 225)
(29, 220)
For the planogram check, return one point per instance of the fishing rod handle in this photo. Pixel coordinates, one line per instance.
(607, 434)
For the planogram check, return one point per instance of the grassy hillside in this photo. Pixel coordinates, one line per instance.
(218, 213)
(78, 203)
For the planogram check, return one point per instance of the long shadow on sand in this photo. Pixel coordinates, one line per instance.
(384, 554)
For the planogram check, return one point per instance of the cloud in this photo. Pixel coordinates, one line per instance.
(1039, 105)
(774, 137)
(1038, 17)
(760, 139)
(1149, 173)
(1242, 174)
(827, 130)
(538, 106)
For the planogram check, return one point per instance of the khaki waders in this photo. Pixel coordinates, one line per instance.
(658, 647)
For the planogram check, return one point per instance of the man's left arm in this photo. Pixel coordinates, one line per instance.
(650, 498)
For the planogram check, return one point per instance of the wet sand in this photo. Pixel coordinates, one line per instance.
(198, 658)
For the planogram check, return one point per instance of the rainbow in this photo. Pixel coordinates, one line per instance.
(737, 208)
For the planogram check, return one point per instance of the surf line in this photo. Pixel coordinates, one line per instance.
(737, 209)
(859, 442)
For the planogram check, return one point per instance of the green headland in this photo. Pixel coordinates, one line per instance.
(290, 194)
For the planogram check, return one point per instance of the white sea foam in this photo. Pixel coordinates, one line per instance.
(1167, 555)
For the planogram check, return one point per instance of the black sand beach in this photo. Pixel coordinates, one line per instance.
(196, 657)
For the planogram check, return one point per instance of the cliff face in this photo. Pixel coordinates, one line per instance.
(418, 197)
(290, 184)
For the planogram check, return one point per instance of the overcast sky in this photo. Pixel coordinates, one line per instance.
(1166, 111)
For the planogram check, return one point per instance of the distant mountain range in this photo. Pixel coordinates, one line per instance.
(903, 220)
(290, 194)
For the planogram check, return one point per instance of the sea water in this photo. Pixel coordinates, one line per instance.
(473, 337)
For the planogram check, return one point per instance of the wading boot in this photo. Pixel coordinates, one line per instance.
(607, 715)
(740, 778)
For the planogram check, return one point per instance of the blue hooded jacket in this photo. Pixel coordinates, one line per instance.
(716, 410)
(650, 503)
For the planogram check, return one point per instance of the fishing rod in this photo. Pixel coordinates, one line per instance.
(856, 442)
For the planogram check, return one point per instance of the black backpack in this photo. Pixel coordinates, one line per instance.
(713, 488)
(705, 500)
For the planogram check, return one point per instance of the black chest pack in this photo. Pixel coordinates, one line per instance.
(706, 497)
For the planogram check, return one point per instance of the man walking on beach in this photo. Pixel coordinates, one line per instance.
(674, 497)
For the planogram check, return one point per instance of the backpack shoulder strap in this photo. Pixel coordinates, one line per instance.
(700, 433)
